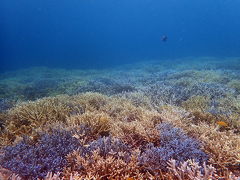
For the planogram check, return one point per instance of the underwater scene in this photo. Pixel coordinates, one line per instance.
(120, 90)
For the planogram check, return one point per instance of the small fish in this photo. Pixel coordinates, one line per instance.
(129, 178)
(164, 38)
(222, 123)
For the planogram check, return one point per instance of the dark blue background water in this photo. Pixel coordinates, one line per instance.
(101, 33)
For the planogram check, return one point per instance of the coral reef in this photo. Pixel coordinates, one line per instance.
(96, 166)
(191, 170)
(165, 93)
(39, 89)
(98, 123)
(149, 120)
(174, 144)
(5, 105)
(24, 118)
(105, 86)
(32, 160)
(235, 84)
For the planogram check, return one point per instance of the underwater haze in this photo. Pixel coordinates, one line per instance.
(106, 33)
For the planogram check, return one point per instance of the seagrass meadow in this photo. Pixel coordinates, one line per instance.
(172, 119)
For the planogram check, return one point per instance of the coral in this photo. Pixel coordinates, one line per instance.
(5, 105)
(3, 119)
(229, 109)
(229, 105)
(28, 116)
(137, 99)
(225, 123)
(191, 170)
(203, 76)
(197, 103)
(108, 167)
(134, 125)
(5, 173)
(99, 123)
(174, 144)
(186, 110)
(123, 110)
(85, 102)
(137, 133)
(213, 90)
(32, 160)
(207, 117)
(222, 146)
(3, 91)
(166, 93)
(106, 157)
(109, 145)
(223, 110)
(39, 88)
(235, 84)
(51, 176)
(177, 116)
(105, 86)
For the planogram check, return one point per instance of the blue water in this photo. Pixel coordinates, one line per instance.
(103, 33)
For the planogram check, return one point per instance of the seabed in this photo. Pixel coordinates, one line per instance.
(170, 119)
